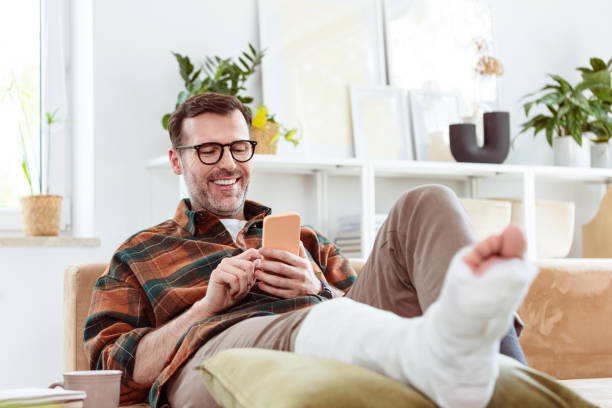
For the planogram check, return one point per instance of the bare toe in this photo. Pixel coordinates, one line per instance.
(513, 242)
(482, 251)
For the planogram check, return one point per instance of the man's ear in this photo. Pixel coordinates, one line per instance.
(175, 161)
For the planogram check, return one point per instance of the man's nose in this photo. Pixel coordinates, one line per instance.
(227, 161)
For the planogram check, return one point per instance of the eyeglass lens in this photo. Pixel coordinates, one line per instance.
(240, 151)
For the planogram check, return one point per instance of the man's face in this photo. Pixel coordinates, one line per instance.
(204, 181)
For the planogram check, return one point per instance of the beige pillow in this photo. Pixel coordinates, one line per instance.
(259, 378)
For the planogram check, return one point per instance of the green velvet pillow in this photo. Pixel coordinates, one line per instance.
(259, 378)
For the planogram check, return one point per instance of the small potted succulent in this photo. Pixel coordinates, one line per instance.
(228, 76)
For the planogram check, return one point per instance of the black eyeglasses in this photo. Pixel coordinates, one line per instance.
(211, 153)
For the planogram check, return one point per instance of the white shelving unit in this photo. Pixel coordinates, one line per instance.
(323, 189)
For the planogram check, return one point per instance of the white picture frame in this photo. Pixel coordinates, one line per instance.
(381, 124)
(431, 113)
(433, 45)
(314, 50)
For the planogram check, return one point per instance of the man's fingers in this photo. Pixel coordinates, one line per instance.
(243, 276)
(281, 293)
(244, 265)
(280, 255)
(280, 268)
(249, 254)
(275, 280)
(303, 251)
(227, 278)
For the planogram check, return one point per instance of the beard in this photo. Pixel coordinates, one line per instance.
(205, 195)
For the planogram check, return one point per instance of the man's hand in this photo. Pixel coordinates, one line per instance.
(285, 275)
(230, 282)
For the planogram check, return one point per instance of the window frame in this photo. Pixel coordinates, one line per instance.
(55, 76)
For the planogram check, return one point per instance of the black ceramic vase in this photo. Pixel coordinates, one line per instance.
(496, 140)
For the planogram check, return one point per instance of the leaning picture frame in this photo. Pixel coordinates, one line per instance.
(314, 50)
(427, 49)
(381, 124)
(431, 113)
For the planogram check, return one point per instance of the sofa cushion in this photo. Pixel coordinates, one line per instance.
(566, 315)
(265, 379)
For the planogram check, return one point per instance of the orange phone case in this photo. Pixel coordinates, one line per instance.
(282, 231)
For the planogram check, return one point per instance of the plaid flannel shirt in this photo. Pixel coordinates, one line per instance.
(160, 272)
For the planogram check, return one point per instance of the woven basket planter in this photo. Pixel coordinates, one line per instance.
(264, 138)
(40, 215)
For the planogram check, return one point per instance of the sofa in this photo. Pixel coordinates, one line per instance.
(566, 315)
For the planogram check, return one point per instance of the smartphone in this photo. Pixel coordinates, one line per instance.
(282, 231)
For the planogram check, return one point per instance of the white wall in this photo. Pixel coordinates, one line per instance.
(533, 38)
(135, 81)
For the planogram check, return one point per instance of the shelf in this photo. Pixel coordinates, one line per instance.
(56, 241)
(452, 170)
(292, 165)
(375, 183)
(557, 173)
(306, 166)
(421, 169)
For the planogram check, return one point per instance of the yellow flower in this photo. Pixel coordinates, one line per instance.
(274, 138)
(259, 121)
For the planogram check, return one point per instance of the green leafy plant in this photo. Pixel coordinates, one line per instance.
(20, 93)
(50, 120)
(225, 76)
(597, 79)
(569, 110)
(216, 74)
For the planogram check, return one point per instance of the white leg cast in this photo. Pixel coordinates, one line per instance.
(449, 353)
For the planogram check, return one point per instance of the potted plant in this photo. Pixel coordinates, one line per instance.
(567, 115)
(596, 79)
(228, 76)
(40, 212)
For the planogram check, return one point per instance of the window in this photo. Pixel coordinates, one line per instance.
(34, 39)
(19, 102)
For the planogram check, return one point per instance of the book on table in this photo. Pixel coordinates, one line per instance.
(41, 398)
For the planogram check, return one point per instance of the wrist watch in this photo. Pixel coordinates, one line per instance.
(325, 290)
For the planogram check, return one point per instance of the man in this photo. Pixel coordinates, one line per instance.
(177, 293)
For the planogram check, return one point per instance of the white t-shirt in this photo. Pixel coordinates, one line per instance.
(233, 226)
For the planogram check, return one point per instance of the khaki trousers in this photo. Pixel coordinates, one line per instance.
(403, 274)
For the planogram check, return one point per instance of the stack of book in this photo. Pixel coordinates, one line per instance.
(348, 238)
(41, 398)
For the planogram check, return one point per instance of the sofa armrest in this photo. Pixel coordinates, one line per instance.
(79, 281)
(567, 315)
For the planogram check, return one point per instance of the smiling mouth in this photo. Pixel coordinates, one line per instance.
(225, 182)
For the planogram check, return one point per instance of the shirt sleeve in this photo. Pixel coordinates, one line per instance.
(119, 317)
(330, 265)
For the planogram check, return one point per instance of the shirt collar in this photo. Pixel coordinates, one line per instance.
(198, 222)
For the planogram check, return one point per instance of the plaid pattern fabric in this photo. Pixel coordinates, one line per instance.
(160, 272)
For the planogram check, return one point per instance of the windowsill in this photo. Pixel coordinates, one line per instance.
(59, 241)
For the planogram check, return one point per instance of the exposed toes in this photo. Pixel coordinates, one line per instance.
(513, 242)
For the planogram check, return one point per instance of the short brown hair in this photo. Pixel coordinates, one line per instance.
(208, 102)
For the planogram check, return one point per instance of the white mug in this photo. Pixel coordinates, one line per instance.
(101, 386)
